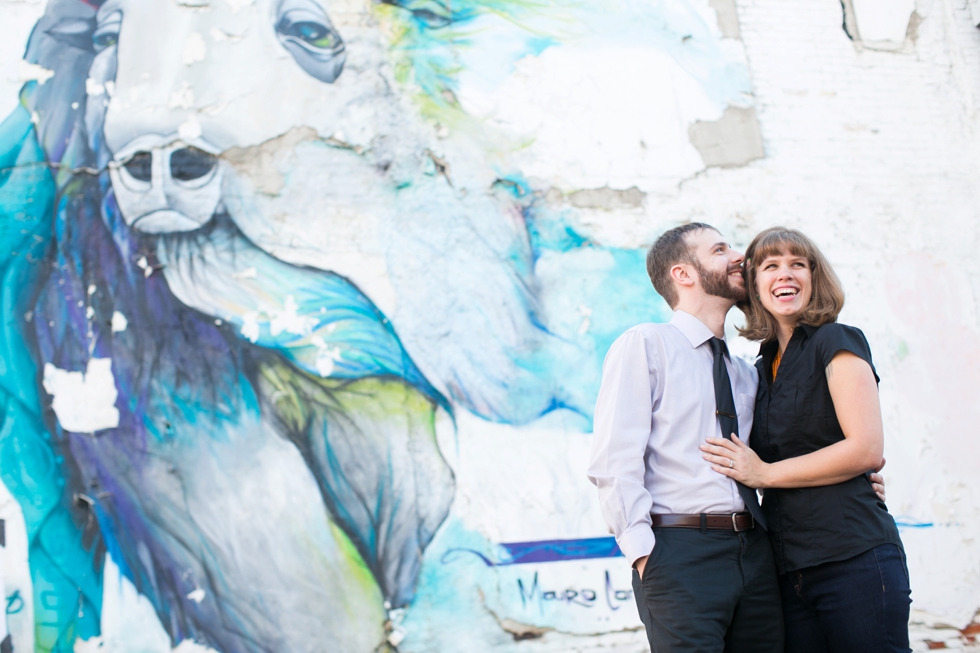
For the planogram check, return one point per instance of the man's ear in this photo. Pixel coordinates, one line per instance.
(683, 274)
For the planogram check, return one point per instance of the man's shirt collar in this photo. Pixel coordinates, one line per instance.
(693, 329)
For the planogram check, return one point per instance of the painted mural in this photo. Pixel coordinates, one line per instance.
(264, 262)
(305, 301)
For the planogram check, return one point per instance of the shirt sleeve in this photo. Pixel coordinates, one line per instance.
(621, 432)
(835, 338)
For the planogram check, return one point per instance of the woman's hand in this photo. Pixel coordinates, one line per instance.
(878, 481)
(878, 485)
(736, 460)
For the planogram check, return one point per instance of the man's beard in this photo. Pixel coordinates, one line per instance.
(720, 284)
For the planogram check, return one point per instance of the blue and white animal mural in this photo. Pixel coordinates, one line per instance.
(255, 252)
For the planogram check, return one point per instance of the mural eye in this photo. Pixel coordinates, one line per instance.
(76, 32)
(431, 14)
(305, 31)
(140, 166)
(190, 163)
(101, 41)
(106, 33)
(319, 36)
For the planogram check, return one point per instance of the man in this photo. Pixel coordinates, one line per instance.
(704, 576)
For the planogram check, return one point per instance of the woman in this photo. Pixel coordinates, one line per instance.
(817, 431)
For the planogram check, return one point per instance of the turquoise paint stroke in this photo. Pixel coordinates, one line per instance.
(66, 573)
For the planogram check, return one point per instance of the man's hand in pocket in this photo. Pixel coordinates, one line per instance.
(641, 564)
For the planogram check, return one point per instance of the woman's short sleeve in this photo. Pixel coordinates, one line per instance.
(833, 338)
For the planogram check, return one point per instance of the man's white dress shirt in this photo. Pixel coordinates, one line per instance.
(655, 407)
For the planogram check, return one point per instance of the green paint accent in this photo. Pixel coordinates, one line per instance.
(903, 350)
(381, 428)
(424, 56)
(359, 571)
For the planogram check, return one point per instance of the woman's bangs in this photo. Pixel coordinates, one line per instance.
(778, 243)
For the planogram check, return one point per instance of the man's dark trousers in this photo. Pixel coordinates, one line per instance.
(710, 591)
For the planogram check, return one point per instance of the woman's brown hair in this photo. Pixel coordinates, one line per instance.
(827, 298)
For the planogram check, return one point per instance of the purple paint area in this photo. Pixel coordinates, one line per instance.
(522, 553)
(555, 550)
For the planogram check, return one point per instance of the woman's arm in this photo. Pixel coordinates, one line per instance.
(855, 394)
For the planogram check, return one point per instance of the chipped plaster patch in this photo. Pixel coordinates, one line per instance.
(93, 88)
(608, 199)
(727, 15)
(518, 630)
(190, 129)
(326, 357)
(883, 20)
(290, 321)
(128, 621)
(195, 49)
(652, 98)
(182, 98)
(887, 25)
(119, 322)
(219, 35)
(731, 141)
(250, 326)
(238, 5)
(31, 72)
(84, 402)
(258, 163)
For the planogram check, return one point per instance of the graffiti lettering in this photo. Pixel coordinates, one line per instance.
(15, 603)
(533, 594)
(614, 596)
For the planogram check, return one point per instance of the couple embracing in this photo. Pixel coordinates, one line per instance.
(685, 435)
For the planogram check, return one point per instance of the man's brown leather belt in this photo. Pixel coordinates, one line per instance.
(737, 521)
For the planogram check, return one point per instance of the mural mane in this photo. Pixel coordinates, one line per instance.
(253, 271)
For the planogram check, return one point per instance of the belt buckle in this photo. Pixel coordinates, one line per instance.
(735, 524)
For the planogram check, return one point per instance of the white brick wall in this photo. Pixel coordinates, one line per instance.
(874, 154)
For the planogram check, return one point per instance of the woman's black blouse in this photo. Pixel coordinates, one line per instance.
(795, 416)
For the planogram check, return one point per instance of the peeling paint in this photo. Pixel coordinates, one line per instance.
(519, 631)
(727, 14)
(119, 322)
(523, 631)
(881, 25)
(259, 163)
(882, 22)
(602, 198)
(734, 140)
(849, 23)
(83, 401)
(195, 49)
(270, 266)
(31, 72)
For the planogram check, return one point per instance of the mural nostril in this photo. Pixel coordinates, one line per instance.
(190, 163)
(140, 166)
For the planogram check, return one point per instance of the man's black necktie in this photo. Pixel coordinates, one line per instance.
(725, 409)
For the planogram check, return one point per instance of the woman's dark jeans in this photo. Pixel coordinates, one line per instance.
(859, 605)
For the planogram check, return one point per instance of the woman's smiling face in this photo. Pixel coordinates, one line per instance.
(784, 285)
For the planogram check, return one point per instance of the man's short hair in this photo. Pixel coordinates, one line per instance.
(669, 250)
